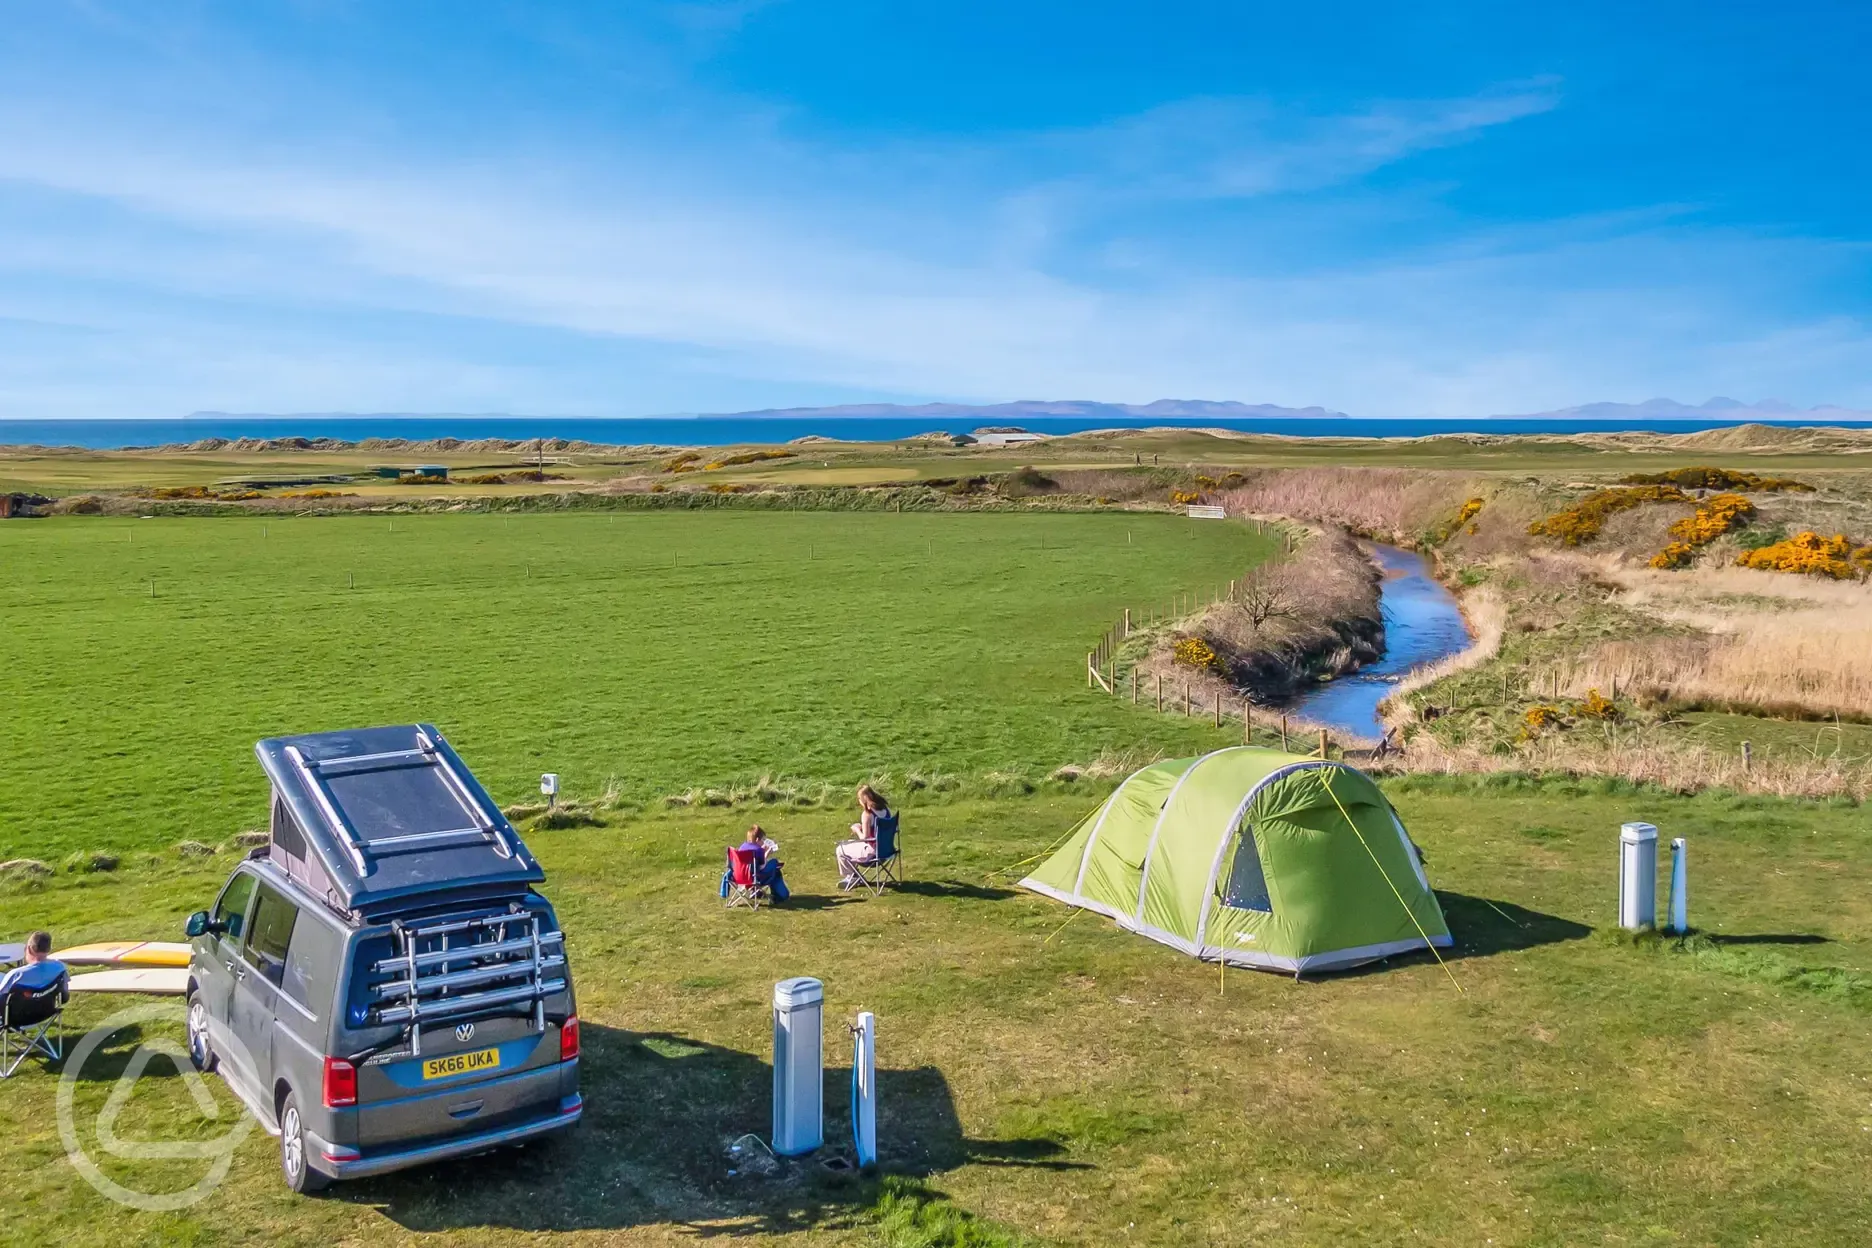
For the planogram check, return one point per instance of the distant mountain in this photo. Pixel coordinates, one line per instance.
(1080, 409)
(1718, 408)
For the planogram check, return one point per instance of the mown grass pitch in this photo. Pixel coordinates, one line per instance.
(1080, 1085)
(140, 660)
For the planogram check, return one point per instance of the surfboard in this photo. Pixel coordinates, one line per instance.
(126, 953)
(155, 981)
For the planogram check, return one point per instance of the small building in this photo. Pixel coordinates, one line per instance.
(13, 506)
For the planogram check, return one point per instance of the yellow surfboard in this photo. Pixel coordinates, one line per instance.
(126, 953)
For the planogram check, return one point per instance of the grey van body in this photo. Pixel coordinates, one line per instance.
(381, 984)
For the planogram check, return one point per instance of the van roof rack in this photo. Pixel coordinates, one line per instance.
(370, 815)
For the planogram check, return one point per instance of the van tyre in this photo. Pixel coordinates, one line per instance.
(201, 1053)
(295, 1151)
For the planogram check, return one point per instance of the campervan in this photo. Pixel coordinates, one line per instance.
(382, 983)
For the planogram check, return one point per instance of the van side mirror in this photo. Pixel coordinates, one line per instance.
(199, 924)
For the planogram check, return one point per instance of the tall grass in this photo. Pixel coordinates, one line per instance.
(1641, 757)
(1383, 501)
(1780, 644)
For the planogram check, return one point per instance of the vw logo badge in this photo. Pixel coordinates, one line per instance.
(465, 1032)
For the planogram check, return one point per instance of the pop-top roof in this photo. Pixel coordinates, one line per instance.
(393, 812)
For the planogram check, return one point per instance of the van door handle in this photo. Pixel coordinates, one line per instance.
(466, 1109)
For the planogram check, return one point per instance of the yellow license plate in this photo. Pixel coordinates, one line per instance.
(460, 1063)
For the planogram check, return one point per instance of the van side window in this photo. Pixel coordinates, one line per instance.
(271, 933)
(231, 907)
(1247, 886)
(286, 831)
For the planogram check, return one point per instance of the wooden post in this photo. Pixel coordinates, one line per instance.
(1127, 622)
(1218, 708)
(1186, 696)
(1090, 656)
(1283, 732)
(1323, 743)
(1160, 693)
(1747, 756)
(1247, 720)
(1134, 678)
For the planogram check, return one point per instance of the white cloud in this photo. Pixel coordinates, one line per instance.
(915, 270)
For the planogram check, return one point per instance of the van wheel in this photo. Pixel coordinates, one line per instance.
(294, 1164)
(201, 1054)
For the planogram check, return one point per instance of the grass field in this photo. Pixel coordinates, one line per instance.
(1078, 1085)
(659, 652)
(1045, 1077)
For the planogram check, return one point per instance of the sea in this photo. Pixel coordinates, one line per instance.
(733, 430)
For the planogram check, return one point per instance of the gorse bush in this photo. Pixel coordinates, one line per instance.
(1597, 706)
(1184, 498)
(1810, 554)
(1716, 479)
(1197, 653)
(1586, 519)
(1713, 517)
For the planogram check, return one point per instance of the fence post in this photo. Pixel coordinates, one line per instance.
(1247, 719)
(1127, 622)
(1088, 669)
(1160, 693)
(1218, 708)
(1283, 732)
(1134, 678)
(1323, 750)
(1186, 699)
(1746, 756)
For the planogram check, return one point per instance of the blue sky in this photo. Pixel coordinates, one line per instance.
(618, 209)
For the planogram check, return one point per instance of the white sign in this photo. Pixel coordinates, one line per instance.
(1199, 511)
(549, 784)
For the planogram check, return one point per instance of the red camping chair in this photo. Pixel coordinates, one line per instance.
(744, 886)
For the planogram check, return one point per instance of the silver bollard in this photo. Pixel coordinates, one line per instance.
(1680, 887)
(864, 1089)
(1637, 876)
(799, 1066)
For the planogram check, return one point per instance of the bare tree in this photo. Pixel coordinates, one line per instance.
(1263, 596)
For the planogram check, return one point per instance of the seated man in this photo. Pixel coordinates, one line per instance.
(39, 970)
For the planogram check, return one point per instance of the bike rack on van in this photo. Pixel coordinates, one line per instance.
(504, 967)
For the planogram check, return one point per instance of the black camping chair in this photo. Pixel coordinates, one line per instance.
(886, 862)
(32, 1020)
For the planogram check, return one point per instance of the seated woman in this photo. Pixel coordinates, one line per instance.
(766, 866)
(863, 845)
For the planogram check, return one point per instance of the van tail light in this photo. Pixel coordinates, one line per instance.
(569, 1038)
(340, 1084)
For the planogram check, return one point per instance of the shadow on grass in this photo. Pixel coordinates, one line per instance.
(660, 1113)
(1771, 938)
(954, 888)
(1484, 927)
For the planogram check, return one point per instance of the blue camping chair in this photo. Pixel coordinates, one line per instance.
(885, 867)
(28, 1019)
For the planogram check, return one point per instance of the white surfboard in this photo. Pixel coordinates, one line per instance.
(163, 981)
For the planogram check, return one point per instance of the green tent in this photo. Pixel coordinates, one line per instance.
(1254, 857)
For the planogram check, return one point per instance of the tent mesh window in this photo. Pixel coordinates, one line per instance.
(1247, 887)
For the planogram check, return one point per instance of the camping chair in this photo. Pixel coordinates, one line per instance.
(744, 886)
(885, 863)
(32, 1021)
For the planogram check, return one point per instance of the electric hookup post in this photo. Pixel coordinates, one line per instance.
(549, 785)
(1637, 876)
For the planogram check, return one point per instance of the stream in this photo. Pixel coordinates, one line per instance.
(1422, 625)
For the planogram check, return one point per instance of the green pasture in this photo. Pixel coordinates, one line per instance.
(1054, 1078)
(652, 653)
